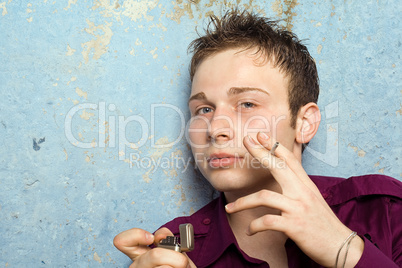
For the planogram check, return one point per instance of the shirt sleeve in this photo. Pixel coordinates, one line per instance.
(373, 257)
(396, 225)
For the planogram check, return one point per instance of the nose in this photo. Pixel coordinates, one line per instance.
(221, 127)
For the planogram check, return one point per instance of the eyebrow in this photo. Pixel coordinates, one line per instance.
(232, 91)
(198, 96)
(239, 90)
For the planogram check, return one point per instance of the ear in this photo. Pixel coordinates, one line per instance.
(308, 120)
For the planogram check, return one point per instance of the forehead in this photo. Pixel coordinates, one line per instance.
(236, 68)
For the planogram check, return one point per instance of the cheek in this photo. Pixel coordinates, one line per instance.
(274, 124)
(255, 124)
(197, 131)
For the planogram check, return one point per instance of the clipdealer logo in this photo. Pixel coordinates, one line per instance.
(331, 154)
(114, 127)
(109, 126)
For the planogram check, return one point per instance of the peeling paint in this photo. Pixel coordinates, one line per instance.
(70, 2)
(86, 115)
(70, 51)
(99, 45)
(102, 50)
(153, 53)
(97, 258)
(277, 7)
(399, 112)
(361, 153)
(81, 93)
(180, 11)
(3, 6)
(319, 49)
(136, 10)
(353, 147)
(331, 129)
(285, 8)
(66, 154)
(138, 42)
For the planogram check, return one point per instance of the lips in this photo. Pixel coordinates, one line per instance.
(223, 160)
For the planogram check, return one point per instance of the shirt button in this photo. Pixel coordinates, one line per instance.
(325, 195)
(206, 221)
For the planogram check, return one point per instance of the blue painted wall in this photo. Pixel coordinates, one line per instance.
(93, 95)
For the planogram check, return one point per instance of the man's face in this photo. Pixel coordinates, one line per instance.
(235, 94)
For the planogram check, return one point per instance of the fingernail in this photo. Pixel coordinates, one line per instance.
(149, 236)
(264, 136)
(229, 206)
(251, 139)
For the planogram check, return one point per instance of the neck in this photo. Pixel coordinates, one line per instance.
(271, 185)
(243, 218)
(268, 245)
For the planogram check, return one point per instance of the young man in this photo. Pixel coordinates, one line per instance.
(253, 106)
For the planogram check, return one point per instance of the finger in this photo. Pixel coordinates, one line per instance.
(162, 233)
(261, 198)
(161, 257)
(292, 164)
(286, 178)
(133, 242)
(268, 222)
(291, 161)
(261, 152)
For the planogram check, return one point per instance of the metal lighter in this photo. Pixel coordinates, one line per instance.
(186, 239)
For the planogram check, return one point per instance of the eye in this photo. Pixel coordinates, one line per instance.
(204, 110)
(247, 105)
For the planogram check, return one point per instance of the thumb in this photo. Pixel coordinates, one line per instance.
(162, 233)
(133, 242)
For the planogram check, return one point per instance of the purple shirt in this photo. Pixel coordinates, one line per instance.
(371, 205)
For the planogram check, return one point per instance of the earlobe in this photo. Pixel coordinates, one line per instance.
(308, 120)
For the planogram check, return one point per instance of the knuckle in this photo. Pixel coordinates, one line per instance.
(267, 220)
(264, 194)
(301, 207)
(155, 253)
(117, 241)
(182, 261)
(239, 202)
(175, 258)
(265, 161)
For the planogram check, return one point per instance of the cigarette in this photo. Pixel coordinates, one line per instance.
(274, 148)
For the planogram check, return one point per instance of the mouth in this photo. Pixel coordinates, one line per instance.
(223, 160)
